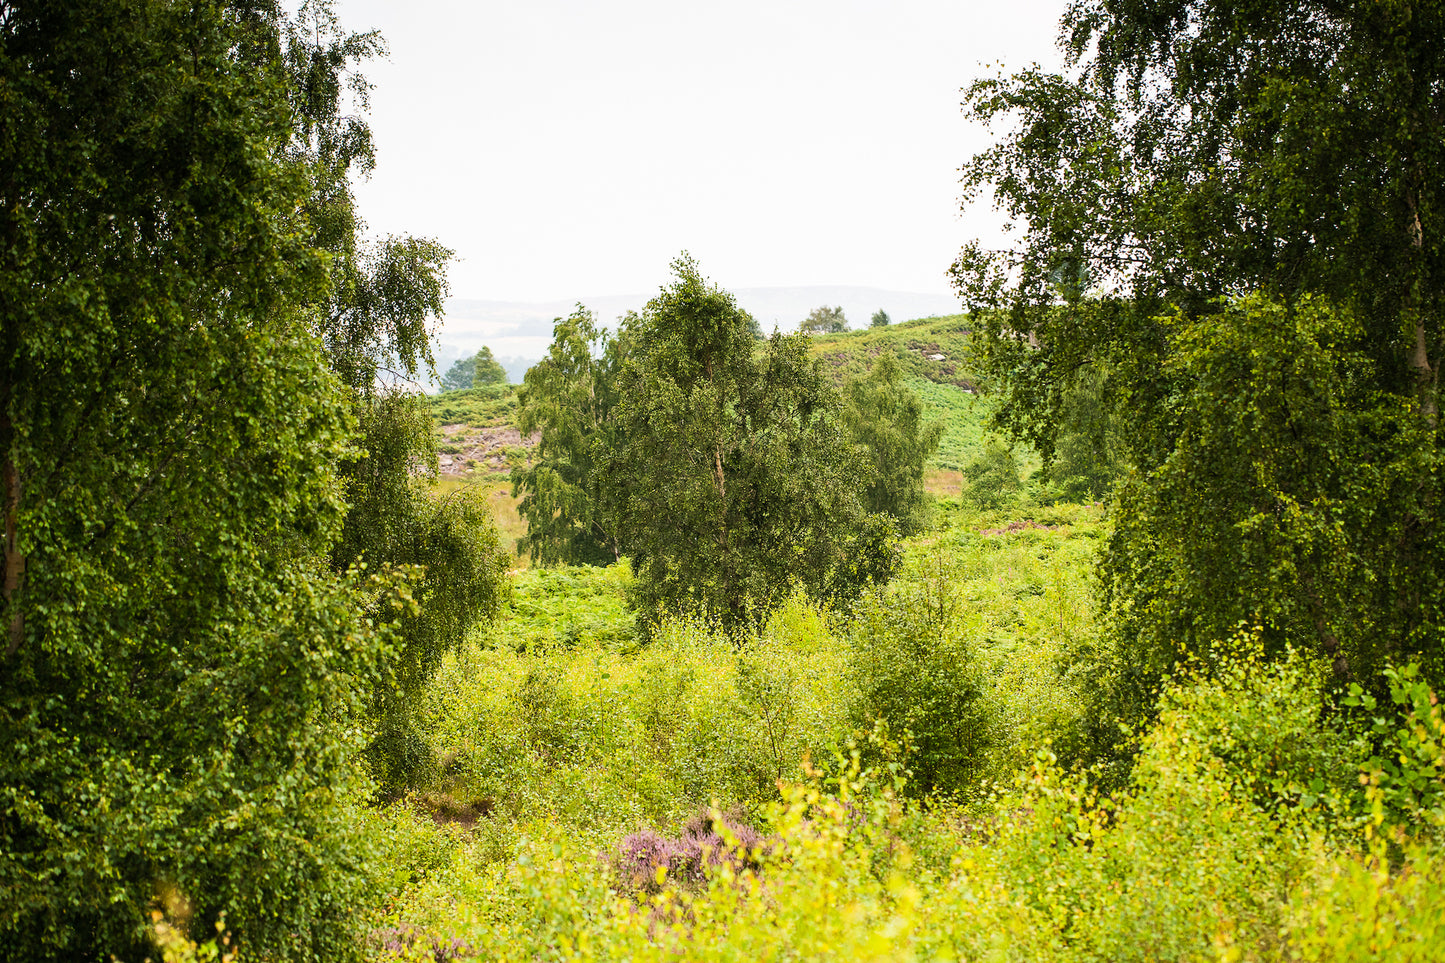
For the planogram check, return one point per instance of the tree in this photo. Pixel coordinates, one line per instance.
(880, 319)
(991, 480)
(461, 375)
(732, 476)
(568, 399)
(1089, 452)
(883, 415)
(473, 371)
(374, 321)
(1291, 152)
(182, 682)
(824, 320)
(488, 370)
(451, 549)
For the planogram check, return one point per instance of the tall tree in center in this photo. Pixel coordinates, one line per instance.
(734, 477)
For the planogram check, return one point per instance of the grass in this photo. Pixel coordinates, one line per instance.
(489, 406)
(498, 489)
(851, 353)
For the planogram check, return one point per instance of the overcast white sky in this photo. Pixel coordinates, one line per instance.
(569, 149)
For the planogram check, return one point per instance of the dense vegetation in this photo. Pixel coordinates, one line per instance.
(1229, 240)
(215, 546)
(1101, 623)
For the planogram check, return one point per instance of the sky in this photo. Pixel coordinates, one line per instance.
(568, 149)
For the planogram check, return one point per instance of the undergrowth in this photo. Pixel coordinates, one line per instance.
(893, 783)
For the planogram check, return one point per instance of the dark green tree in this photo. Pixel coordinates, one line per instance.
(180, 680)
(880, 319)
(461, 375)
(733, 476)
(568, 400)
(884, 416)
(374, 321)
(1196, 153)
(489, 370)
(824, 320)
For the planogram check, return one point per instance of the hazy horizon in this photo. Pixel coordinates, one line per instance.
(561, 146)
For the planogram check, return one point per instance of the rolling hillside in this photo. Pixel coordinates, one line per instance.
(478, 435)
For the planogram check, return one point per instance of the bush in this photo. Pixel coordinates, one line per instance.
(992, 480)
(914, 668)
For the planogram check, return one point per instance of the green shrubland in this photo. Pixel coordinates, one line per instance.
(908, 799)
(1157, 681)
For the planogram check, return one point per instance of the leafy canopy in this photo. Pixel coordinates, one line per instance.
(183, 679)
(568, 399)
(1229, 237)
(732, 476)
(824, 320)
(373, 319)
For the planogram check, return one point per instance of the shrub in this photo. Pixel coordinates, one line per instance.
(647, 861)
(991, 480)
(914, 668)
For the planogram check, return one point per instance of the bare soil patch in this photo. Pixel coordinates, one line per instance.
(467, 450)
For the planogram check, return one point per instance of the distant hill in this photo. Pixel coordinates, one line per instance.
(930, 349)
(936, 356)
(519, 332)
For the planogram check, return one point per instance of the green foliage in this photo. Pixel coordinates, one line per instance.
(373, 322)
(964, 418)
(451, 545)
(732, 476)
(485, 407)
(568, 399)
(489, 369)
(883, 415)
(182, 683)
(916, 669)
(1279, 501)
(1407, 775)
(1283, 445)
(601, 734)
(563, 606)
(1217, 848)
(880, 319)
(373, 316)
(1089, 452)
(824, 320)
(474, 371)
(555, 711)
(912, 344)
(461, 375)
(992, 479)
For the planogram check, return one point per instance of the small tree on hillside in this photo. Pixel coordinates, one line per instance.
(886, 417)
(487, 369)
(824, 320)
(460, 375)
(880, 319)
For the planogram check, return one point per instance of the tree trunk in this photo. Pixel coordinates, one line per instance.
(14, 558)
(1420, 352)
